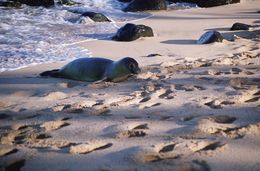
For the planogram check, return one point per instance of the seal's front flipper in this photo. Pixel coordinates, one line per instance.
(101, 81)
(52, 73)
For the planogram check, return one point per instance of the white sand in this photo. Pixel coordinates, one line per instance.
(199, 111)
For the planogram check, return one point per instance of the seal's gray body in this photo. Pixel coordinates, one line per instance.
(86, 69)
(94, 69)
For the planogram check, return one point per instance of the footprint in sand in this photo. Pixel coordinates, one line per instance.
(32, 137)
(254, 99)
(235, 70)
(210, 126)
(25, 116)
(89, 147)
(165, 93)
(149, 76)
(77, 107)
(133, 130)
(21, 126)
(167, 118)
(88, 107)
(49, 143)
(188, 87)
(213, 72)
(183, 87)
(201, 146)
(152, 97)
(22, 134)
(175, 150)
(133, 117)
(148, 102)
(10, 137)
(151, 87)
(170, 150)
(247, 96)
(194, 165)
(55, 96)
(146, 99)
(4, 104)
(123, 101)
(153, 55)
(189, 117)
(159, 152)
(7, 150)
(217, 104)
(146, 155)
(244, 83)
(173, 67)
(240, 132)
(167, 148)
(222, 125)
(246, 72)
(222, 119)
(54, 125)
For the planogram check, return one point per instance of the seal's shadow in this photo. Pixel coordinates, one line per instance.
(180, 42)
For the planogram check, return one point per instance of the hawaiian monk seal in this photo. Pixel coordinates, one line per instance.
(94, 69)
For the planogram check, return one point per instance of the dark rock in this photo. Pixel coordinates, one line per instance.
(143, 5)
(124, 0)
(10, 4)
(14, 165)
(131, 32)
(240, 26)
(45, 3)
(208, 3)
(68, 2)
(210, 37)
(97, 17)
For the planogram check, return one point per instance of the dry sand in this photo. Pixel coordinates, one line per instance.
(193, 107)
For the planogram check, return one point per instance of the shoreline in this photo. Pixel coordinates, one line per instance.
(193, 107)
(162, 41)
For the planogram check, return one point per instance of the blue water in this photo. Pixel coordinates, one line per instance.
(34, 35)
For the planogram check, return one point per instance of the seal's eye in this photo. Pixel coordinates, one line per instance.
(131, 66)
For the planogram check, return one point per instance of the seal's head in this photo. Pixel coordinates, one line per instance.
(131, 64)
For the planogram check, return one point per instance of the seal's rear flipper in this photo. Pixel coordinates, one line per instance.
(52, 73)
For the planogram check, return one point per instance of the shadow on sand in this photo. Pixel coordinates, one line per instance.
(180, 42)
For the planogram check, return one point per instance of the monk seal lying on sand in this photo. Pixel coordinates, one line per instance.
(94, 69)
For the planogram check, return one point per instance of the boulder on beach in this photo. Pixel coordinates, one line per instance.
(131, 32)
(45, 3)
(143, 5)
(124, 0)
(208, 3)
(97, 17)
(240, 26)
(210, 37)
(11, 4)
(68, 2)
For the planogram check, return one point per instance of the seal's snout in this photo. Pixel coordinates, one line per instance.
(134, 68)
(138, 70)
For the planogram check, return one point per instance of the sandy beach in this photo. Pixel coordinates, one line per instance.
(193, 107)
